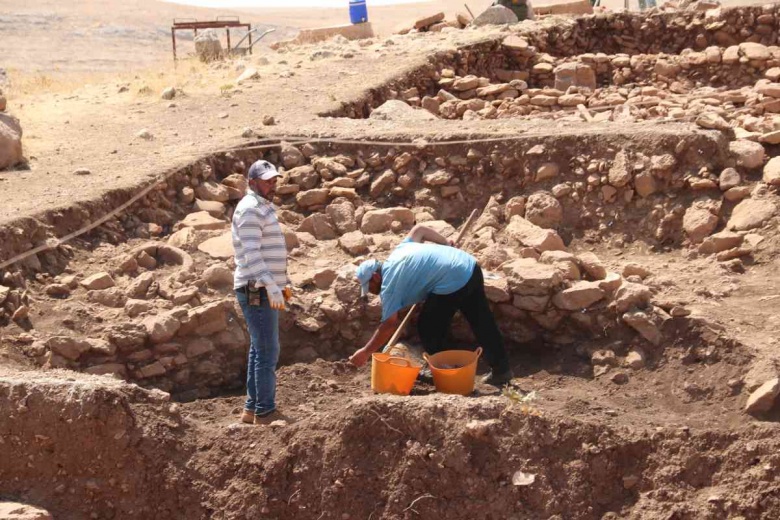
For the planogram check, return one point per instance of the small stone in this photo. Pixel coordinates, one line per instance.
(547, 171)
(58, 290)
(145, 134)
(712, 121)
(248, 74)
(603, 357)
(635, 359)
(169, 93)
(772, 172)
(269, 120)
(146, 261)
(21, 313)
(630, 481)
(619, 378)
(635, 269)
(98, 281)
(247, 132)
(82, 171)
(737, 193)
(729, 178)
(763, 398)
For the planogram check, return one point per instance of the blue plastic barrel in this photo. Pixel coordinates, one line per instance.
(358, 13)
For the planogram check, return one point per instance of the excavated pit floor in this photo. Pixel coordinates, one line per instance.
(666, 440)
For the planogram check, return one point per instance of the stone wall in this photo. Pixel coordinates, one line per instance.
(731, 47)
(177, 326)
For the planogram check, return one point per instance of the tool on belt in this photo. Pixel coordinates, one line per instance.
(255, 292)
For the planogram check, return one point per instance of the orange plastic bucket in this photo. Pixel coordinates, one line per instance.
(454, 370)
(393, 374)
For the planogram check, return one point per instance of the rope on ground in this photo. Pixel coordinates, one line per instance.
(262, 144)
(52, 243)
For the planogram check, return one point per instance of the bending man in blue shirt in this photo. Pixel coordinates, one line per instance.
(449, 280)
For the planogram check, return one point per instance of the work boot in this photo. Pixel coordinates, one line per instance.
(498, 379)
(248, 416)
(265, 417)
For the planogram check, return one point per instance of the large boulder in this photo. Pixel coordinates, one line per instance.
(720, 242)
(747, 154)
(495, 15)
(574, 75)
(698, 223)
(382, 183)
(528, 277)
(319, 226)
(772, 172)
(218, 247)
(592, 265)
(763, 398)
(531, 235)
(396, 110)
(342, 214)
(544, 210)
(751, 213)
(161, 328)
(354, 243)
(18, 511)
(631, 295)
(210, 190)
(579, 296)
(98, 281)
(310, 198)
(646, 324)
(202, 220)
(67, 347)
(291, 156)
(10, 141)
(620, 172)
(379, 220)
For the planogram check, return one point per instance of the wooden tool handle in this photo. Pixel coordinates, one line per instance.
(466, 225)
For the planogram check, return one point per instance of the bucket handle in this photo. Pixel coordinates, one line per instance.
(399, 361)
(478, 353)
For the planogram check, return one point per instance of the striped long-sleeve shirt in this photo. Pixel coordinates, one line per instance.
(261, 253)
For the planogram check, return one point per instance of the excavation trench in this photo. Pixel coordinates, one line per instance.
(146, 297)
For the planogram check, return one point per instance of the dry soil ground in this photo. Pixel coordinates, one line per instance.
(672, 442)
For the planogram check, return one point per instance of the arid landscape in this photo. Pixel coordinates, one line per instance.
(625, 170)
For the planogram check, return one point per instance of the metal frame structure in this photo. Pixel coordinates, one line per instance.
(222, 22)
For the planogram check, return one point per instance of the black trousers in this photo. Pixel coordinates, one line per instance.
(438, 311)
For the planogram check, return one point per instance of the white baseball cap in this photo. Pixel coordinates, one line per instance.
(262, 170)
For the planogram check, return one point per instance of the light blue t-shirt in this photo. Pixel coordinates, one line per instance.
(414, 270)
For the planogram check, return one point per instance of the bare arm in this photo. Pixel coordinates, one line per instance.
(421, 233)
(380, 338)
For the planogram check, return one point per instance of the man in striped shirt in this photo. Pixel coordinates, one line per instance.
(261, 272)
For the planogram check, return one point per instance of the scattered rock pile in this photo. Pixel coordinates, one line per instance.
(437, 23)
(175, 325)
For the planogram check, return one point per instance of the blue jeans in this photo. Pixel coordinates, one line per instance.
(263, 324)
